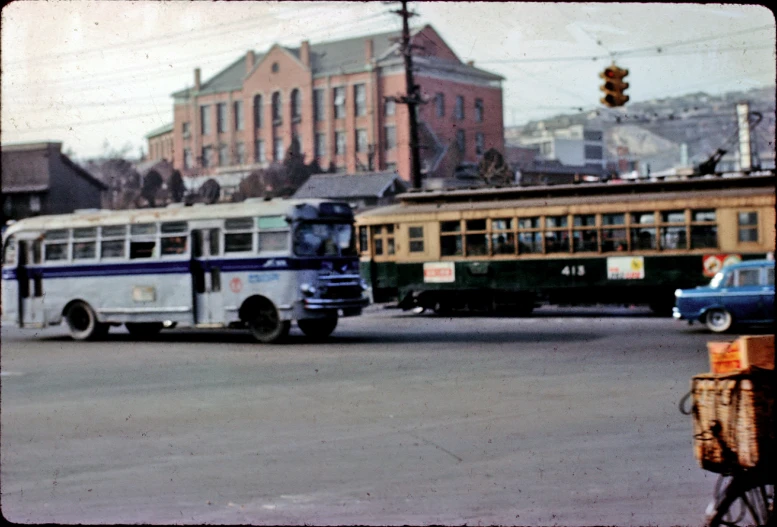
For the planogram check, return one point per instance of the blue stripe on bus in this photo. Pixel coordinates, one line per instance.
(183, 267)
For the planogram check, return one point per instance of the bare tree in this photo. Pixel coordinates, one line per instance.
(493, 170)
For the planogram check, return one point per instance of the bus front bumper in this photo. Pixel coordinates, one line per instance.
(328, 304)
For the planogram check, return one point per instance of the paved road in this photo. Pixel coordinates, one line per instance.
(568, 417)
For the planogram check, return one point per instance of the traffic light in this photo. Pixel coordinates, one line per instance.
(614, 86)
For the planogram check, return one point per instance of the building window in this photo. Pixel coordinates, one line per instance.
(389, 107)
(479, 110)
(592, 135)
(439, 104)
(258, 111)
(238, 109)
(459, 108)
(205, 119)
(593, 152)
(221, 117)
(460, 142)
(278, 149)
(240, 154)
(318, 105)
(360, 100)
(187, 158)
(275, 67)
(185, 129)
(223, 155)
(748, 226)
(361, 140)
(390, 135)
(339, 102)
(320, 145)
(340, 143)
(260, 155)
(296, 105)
(277, 109)
(480, 143)
(207, 156)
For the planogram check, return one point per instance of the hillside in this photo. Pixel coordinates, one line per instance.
(654, 131)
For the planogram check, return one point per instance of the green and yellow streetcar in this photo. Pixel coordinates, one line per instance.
(514, 248)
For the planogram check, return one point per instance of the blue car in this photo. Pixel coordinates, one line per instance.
(742, 293)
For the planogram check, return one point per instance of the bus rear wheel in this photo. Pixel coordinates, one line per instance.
(265, 323)
(143, 329)
(318, 328)
(82, 322)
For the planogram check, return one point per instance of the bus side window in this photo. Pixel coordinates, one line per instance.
(9, 252)
(141, 249)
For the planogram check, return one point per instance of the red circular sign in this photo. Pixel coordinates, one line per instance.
(235, 285)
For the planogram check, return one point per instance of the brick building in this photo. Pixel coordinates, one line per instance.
(331, 97)
(160, 144)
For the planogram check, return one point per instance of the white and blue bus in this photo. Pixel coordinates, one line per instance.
(259, 264)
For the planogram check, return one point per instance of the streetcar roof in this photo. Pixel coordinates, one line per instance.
(565, 195)
(96, 217)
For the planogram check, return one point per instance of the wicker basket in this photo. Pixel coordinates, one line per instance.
(734, 420)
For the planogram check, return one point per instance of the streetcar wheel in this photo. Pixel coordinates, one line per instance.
(318, 328)
(718, 320)
(744, 502)
(82, 322)
(266, 325)
(143, 329)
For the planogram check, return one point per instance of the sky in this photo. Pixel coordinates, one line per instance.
(98, 76)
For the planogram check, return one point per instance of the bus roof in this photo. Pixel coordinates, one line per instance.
(97, 217)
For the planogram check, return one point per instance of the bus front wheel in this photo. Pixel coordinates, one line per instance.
(265, 323)
(82, 322)
(317, 328)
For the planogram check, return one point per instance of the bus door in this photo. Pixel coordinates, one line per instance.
(206, 277)
(30, 281)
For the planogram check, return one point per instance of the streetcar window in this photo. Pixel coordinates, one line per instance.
(674, 238)
(748, 226)
(553, 222)
(704, 236)
(451, 245)
(476, 244)
(363, 240)
(703, 215)
(173, 245)
(174, 227)
(673, 216)
(529, 242)
(643, 238)
(502, 224)
(770, 276)
(450, 226)
(415, 237)
(556, 241)
(55, 252)
(383, 239)
(503, 243)
(57, 235)
(114, 231)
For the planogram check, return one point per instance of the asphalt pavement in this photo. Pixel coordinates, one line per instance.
(567, 417)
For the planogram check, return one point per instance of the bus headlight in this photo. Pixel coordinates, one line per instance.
(308, 289)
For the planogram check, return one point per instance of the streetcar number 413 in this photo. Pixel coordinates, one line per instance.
(573, 270)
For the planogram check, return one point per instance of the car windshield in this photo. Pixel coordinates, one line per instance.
(717, 280)
(324, 239)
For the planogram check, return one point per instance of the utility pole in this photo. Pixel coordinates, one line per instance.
(411, 97)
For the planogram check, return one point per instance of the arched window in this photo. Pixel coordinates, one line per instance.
(258, 111)
(277, 112)
(296, 104)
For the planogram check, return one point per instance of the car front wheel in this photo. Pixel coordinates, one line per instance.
(718, 320)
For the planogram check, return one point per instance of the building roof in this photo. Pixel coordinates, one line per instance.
(340, 57)
(26, 167)
(166, 129)
(334, 186)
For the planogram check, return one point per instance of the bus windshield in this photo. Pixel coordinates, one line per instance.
(324, 239)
